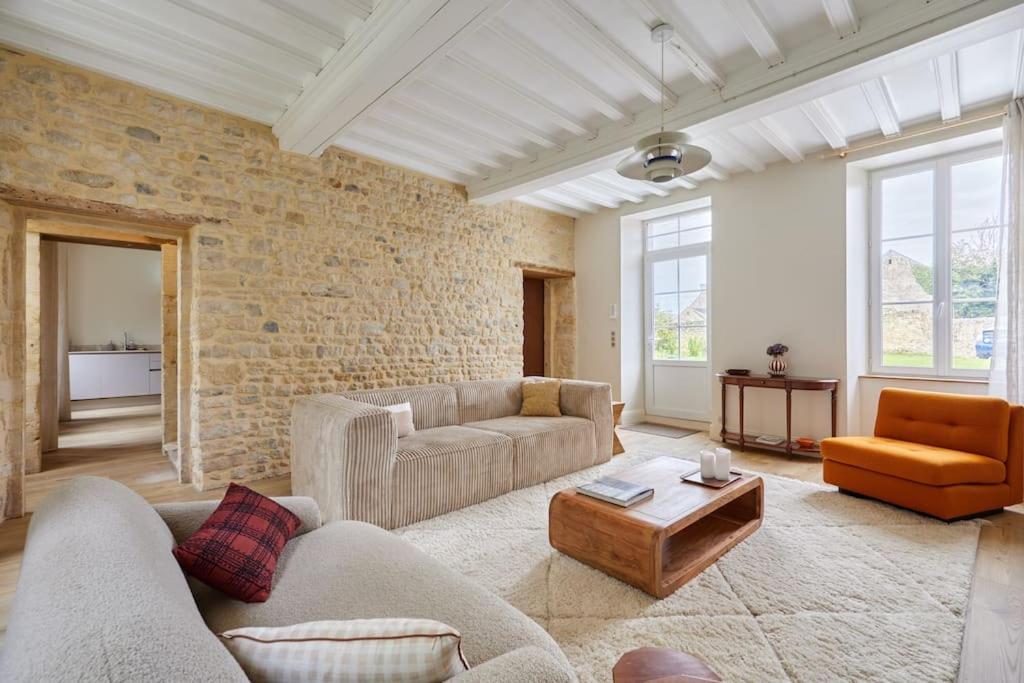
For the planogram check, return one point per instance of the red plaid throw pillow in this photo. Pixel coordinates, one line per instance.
(236, 548)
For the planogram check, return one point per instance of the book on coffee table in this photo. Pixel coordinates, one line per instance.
(616, 491)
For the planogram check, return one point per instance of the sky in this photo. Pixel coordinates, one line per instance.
(907, 205)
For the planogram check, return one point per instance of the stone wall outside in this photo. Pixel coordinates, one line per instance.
(312, 274)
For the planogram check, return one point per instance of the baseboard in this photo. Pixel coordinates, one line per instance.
(631, 417)
(697, 425)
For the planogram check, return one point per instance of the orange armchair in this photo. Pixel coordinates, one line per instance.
(945, 455)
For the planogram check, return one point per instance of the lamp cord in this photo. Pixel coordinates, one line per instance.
(661, 107)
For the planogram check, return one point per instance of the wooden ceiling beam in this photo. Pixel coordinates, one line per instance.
(397, 43)
(823, 121)
(776, 136)
(947, 80)
(880, 100)
(901, 33)
(580, 26)
(756, 30)
(843, 16)
(548, 206)
(596, 97)
(458, 120)
(687, 45)
(532, 134)
(555, 113)
(566, 199)
(736, 150)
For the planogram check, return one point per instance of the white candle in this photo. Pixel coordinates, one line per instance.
(723, 461)
(707, 464)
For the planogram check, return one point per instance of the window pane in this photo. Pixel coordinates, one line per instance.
(693, 273)
(663, 226)
(698, 236)
(666, 343)
(666, 310)
(907, 205)
(976, 193)
(974, 263)
(908, 270)
(693, 342)
(663, 242)
(664, 276)
(695, 219)
(907, 335)
(973, 325)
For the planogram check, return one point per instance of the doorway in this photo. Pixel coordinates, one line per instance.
(101, 323)
(533, 326)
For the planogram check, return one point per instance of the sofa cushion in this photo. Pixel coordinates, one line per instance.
(974, 424)
(489, 398)
(913, 461)
(236, 549)
(433, 405)
(100, 597)
(351, 651)
(545, 447)
(446, 468)
(353, 570)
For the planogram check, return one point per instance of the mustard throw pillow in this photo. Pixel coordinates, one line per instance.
(540, 398)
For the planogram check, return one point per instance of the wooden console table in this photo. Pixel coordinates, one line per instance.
(787, 384)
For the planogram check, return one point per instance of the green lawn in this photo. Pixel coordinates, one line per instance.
(924, 360)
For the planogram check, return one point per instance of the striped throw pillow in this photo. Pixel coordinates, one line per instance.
(360, 650)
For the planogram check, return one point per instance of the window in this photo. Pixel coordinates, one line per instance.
(935, 234)
(677, 292)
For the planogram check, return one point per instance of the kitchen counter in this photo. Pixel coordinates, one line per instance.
(72, 353)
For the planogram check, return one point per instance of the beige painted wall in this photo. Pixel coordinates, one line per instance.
(789, 264)
(778, 273)
(113, 290)
(310, 274)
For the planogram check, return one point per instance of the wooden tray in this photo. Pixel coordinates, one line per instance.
(695, 478)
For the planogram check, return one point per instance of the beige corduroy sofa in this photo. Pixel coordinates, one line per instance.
(470, 445)
(101, 597)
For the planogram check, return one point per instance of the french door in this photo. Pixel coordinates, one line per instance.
(677, 325)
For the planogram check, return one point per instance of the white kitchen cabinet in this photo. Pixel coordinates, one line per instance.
(113, 374)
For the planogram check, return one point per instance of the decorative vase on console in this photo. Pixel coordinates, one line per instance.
(777, 365)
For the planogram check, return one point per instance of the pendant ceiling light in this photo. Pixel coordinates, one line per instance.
(663, 156)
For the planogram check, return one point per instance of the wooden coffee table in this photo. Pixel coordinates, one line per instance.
(663, 542)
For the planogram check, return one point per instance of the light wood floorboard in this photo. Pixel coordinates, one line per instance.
(121, 440)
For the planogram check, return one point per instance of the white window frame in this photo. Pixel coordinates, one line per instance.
(942, 305)
(670, 254)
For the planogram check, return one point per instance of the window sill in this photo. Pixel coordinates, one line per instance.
(927, 378)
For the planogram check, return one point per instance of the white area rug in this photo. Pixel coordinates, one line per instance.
(829, 588)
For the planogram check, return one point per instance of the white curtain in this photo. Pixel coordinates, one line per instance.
(1007, 377)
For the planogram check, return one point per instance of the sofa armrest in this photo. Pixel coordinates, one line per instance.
(525, 665)
(184, 519)
(342, 456)
(593, 401)
(1015, 455)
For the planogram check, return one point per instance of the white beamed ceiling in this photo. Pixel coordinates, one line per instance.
(509, 86)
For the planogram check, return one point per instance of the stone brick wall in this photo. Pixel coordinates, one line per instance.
(313, 275)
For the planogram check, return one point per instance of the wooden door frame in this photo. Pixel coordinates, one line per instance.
(538, 272)
(100, 222)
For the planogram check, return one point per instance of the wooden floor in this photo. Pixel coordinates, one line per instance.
(120, 439)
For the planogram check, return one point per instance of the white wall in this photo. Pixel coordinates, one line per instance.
(789, 263)
(112, 290)
(778, 264)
